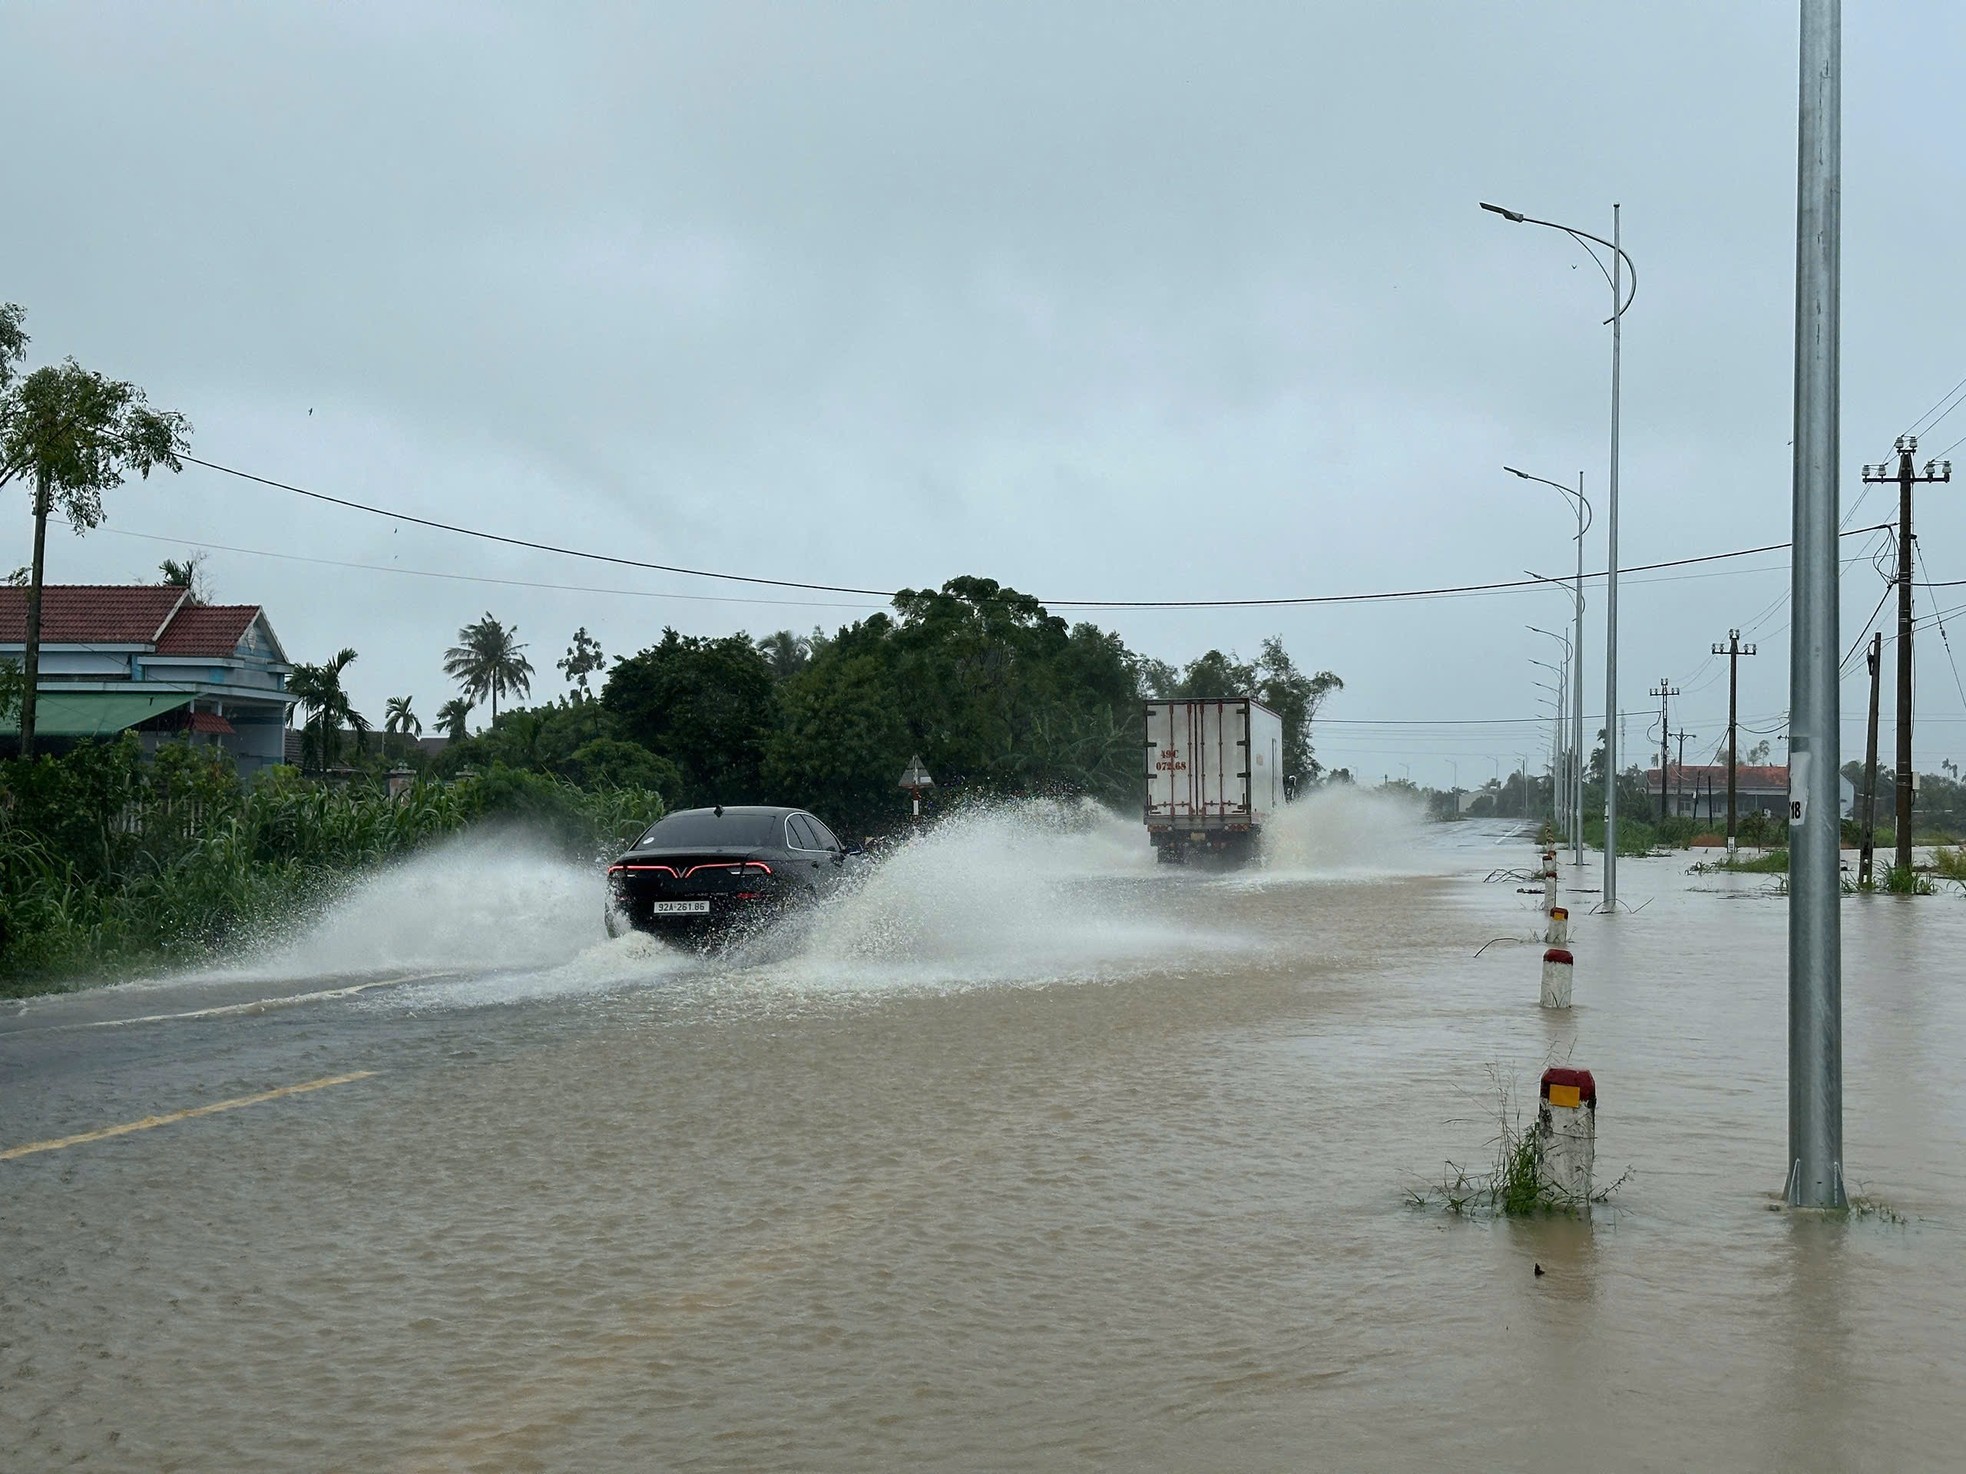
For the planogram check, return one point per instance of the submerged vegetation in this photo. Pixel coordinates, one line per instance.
(1513, 1185)
(110, 861)
(1770, 862)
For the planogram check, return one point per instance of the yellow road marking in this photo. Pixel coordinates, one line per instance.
(150, 1122)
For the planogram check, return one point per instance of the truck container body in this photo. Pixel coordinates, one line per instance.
(1214, 777)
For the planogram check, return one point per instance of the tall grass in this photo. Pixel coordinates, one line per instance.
(110, 863)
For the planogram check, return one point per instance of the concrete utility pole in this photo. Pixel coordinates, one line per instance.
(1679, 774)
(1869, 851)
(1733, 650)
(1814, 1176)
(1906, 478)
(1665, 691)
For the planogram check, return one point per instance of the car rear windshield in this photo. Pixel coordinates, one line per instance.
(706, 829)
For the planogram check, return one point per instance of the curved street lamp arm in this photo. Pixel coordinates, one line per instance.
(1551, 635)
(1555, 583)
(1582, 235)
(1590, 514)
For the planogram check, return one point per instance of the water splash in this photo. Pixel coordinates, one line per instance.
(472, 903)
(1351, 833)
(1027, 892)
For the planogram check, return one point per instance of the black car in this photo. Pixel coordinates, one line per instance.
(699, 873)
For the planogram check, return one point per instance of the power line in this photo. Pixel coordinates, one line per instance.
(1944, 639)
(514, 583)
(1291, 600)
(1919, 425)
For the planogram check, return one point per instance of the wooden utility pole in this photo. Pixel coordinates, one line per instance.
(1870, 765)
(1733, 650)
(1906, 478)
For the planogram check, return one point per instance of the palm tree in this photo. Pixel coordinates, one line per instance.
(486, 662)
(187, 574)
(451, 717)
(328, 709)
(399, 721)
(786, 653)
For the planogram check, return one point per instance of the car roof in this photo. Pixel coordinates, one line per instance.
(776, 811)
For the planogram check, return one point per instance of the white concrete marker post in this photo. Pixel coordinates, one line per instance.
(1557, 933)
(1556, 978)
(1566, 1130)
(1549, 881)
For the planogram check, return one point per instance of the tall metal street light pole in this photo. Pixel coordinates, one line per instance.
(1556, 730)
(1620, 300)
(1573, 808)
(1815, 1164)
(1584, 518)
(1577, 709)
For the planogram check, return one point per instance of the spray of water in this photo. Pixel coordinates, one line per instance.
(1018, 893)
(1028, 893)
(1350, 833)
(491, 900)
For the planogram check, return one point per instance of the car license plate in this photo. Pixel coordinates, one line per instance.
(681, 908)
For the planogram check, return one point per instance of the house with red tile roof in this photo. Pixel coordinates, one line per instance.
(1700, 791)
(149, 658)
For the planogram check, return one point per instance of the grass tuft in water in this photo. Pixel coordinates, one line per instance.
(1513, 1186)
(1773, 862)
(1866, 1204)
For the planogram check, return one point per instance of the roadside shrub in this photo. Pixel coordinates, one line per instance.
(110, 863)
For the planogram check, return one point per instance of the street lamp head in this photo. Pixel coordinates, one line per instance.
(1514, 472)
(1515, 215)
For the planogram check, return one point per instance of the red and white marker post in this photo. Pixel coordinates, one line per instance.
(1566, 1130)
(1557, 963)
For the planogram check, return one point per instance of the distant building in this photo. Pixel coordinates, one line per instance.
(144, 657)
(1701, 792)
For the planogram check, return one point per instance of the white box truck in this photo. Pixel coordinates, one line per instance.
(1214, 777)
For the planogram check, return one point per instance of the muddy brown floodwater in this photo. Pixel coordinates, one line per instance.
(1028, 1157)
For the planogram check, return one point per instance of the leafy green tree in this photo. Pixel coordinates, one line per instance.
(488, 661)
(328, 710)
(844, 742)
(399, 721)
(1215, 677)
(707, 705)
(608, 762)
(452, 718)
(72, 434)
(1296, 698)
(10, 687)
(1274, 680)
(582, 659)
(995, 693)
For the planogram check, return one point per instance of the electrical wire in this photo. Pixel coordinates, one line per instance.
(1919, 425)
(1846, 666)
(1944, 639)
(781, 583)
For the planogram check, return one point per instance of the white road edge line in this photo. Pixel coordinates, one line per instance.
(263, 1005)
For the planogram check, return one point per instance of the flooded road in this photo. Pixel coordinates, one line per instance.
(1029, 1156)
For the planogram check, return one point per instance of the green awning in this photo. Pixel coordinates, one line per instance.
(94, 713)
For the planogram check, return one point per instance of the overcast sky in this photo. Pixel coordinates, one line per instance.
(1102, 301)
